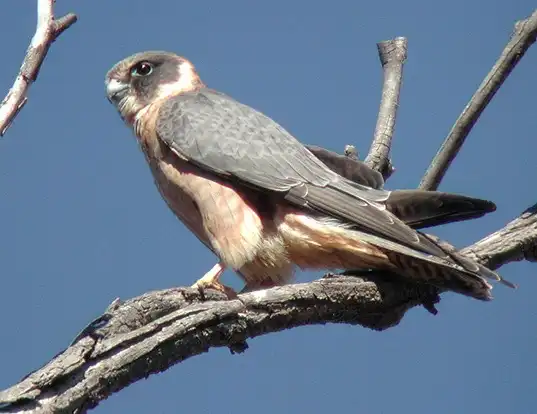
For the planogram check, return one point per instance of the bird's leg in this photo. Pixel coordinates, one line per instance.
(211, 280)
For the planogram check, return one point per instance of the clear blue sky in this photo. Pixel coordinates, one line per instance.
(82, 223)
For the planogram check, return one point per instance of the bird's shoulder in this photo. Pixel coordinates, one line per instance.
(198, 106)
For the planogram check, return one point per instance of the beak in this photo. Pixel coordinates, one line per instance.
(115, 90)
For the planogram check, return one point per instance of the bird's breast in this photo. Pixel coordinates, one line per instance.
(234, 221)
(145, 129)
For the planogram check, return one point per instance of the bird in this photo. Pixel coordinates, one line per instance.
(264, 204)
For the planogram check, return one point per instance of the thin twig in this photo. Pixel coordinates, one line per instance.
(47, 31)
(523, 37)
(392, 55)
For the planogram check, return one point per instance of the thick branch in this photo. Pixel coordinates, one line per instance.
(392, 55)
(523, 37)
(149, 334)
(47, 31)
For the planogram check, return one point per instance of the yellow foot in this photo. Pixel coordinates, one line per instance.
(211, 280)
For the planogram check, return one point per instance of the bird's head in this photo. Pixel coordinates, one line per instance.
(147, 77)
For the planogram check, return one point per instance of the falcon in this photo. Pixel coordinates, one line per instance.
(265, 204)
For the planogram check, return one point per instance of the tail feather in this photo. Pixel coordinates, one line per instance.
(448, 270)
(444, 277)
(442, 266)
(419, 208)
(467, 263)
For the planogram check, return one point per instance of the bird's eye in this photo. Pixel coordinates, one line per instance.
(142, 69)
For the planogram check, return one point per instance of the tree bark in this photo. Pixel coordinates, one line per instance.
(151, 333)
(523, 36)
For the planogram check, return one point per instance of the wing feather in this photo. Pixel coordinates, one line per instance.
(235, 141)
(353, 169)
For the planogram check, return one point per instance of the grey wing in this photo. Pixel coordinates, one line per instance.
(235, 141)
(352, 169)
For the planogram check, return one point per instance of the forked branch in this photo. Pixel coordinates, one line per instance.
(148, 334)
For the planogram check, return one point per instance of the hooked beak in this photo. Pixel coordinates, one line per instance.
(115, 90)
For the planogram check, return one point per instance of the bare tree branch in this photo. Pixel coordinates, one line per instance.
(516, 241)
(47, 31)
(151, 333)
(522, 38)
(392, 55)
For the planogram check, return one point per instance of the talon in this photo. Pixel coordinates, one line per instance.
(211, 281)
(226, 290)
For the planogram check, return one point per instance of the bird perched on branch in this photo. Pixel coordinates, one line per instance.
(264, 204)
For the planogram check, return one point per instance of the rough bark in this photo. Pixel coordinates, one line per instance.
(151, 333)
(393, 54)
(155, 331)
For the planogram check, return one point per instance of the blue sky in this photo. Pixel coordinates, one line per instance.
(82, 223)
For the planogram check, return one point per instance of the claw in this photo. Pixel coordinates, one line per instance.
(211, 280)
